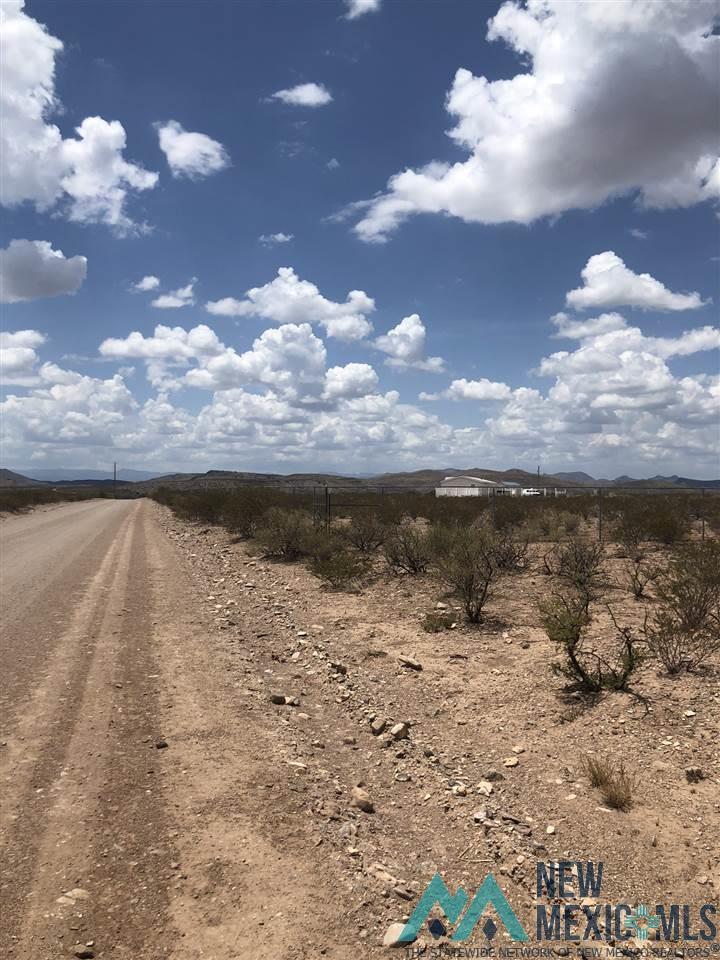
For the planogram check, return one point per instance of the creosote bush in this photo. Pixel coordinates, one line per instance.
(285, 534)
(338, 569)
(407, 549)
(685, 629)
(579, 566)
(365, 532)
(466, 559)
(566, 618)
(639, 576)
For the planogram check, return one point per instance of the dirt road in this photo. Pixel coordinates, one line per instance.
(129, 793)
(157, 801)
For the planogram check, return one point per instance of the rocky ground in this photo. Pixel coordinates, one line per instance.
(390, 753)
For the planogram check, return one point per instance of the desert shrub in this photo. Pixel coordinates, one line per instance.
(341, 568)
(639, 575)
(465, 558)
(511, 552)
(14, 500)
(365, 532)
(616, 785)
(685, 630)
(407, 549)
(579, 566)
(436, 621)
(640, 518)
(285, 534)
(565, 619)
(242, 511)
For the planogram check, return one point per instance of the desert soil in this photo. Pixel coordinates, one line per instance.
(155, 802)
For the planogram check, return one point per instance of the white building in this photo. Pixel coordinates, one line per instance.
(475, 487)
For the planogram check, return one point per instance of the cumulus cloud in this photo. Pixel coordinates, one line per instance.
(192, 155)
(404, 345)
(352, 380)
(288, 299)
(289, 358)
(166, 343)
(86, 178)
(482, 389)
(304, 95)
(607, 282)
(273, 239)
(573, 329)
(182, 297)
(146, 284)
(18, 356)
(358, 8)
(31, 269)
(618, 98)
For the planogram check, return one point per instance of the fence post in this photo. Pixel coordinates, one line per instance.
(327, 507)
(600, 514)
(702, 511)
(494, 520)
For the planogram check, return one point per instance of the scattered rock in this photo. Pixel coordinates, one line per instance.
(83, 953)
(161, 744)
(400, 731)
(694, 774)
(409, 662)
(393, 936)
(510, 762)
(361, 799)
(282, 701)
(377, 727)
(550, 829)
(485, 788)
(493, 775)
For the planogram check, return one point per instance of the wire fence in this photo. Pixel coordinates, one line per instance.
(545, 513)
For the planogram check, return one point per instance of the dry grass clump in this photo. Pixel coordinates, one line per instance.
(615, 784)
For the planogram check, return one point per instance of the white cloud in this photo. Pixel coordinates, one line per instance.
(352, 380)
(192, 155)
(146, 284)
(607, 282)
(638, 234)
(333, 163)
(288, 299)
(182, 297)
(358, 8)
(573, 329)
(619, 98)
(273, 239)
(18, 356)
(166, 343)
(30, 269)
(304, 95)
(482, 389)
(404, 345)
(289, 358)
(87, 177)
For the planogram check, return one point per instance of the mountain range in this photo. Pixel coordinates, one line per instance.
(144, 481)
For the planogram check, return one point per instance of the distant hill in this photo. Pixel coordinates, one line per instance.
(53, 475)
(8, 478)
(649, 483)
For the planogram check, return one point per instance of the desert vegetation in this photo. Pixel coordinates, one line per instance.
(470, 546)
(15, 500)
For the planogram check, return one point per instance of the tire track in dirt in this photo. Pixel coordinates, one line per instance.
(50, 772)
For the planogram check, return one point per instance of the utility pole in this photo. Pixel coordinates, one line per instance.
(115, 480)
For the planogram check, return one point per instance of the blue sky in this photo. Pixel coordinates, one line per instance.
(572, 152)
